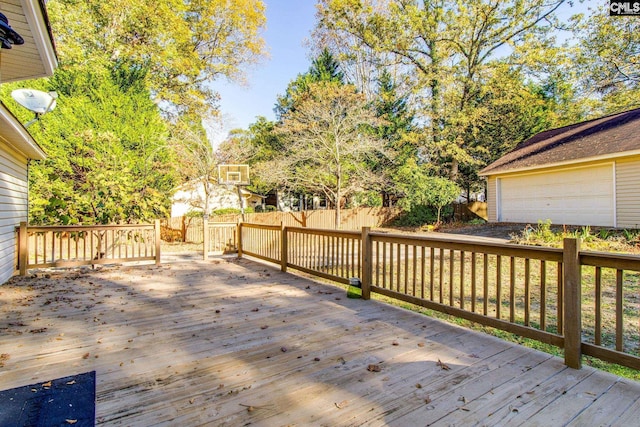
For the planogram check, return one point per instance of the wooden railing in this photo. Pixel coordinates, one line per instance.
(220, 238)
(71, 246)
(585, 302)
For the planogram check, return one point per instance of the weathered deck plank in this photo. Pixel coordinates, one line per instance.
(199, 343)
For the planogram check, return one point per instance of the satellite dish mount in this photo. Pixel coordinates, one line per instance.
(36, 101)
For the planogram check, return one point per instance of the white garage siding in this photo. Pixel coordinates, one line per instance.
(13, 205)
(628, 193)
(577, 196)
(492, 212)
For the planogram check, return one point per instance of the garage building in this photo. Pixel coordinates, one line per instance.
(583, 174)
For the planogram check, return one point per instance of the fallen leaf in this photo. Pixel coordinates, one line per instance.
(85, 356)
(342, 404)
(283, 349)
(256, 309)
(71, 382)
(264, 327)
(396, 343)
(47, 384)
(427, 400)
(443, 365)
(418, 385)
(462, 399)
(373, 368)
(420, 344)
(71, 421)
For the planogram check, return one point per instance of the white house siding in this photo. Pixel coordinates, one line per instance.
(13, 205)
(628, 193)
(492, 210)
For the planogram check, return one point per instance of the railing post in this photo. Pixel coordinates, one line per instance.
(205, 238)
(158, 238)
(572, 290)
(283, 248)
(239, 239)
(23, 248)
(365, 263)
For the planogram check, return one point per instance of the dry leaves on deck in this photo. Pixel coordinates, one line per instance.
(443, 365)
(373, 368)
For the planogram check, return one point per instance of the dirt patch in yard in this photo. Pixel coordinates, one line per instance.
(497, 231)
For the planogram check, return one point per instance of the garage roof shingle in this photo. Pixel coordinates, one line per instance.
(617, 133)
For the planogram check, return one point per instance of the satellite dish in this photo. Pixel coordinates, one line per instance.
(35, 100)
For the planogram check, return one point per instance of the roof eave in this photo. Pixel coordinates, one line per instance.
(19, 138)
(582, 160)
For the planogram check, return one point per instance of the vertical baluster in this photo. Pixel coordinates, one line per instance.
(422, 273)
(473, 282)
(384, 265)
(432, 260)
(452, 256)
(619, 310)
(391, 266)
(406, 268)
(485, 284)
(527, 292)
(598, 302)
(441, 276)
(543, 295)
(462, 280)
(498, 285)
(560, 309)
(512, 290)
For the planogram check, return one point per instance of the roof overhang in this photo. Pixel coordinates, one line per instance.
(577, 162)
(37, 56)
(15, 135)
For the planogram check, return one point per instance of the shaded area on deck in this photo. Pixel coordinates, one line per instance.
(233, 342)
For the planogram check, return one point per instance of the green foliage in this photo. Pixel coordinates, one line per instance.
(324, 68)
(108, 160)
(416, 216)
(420, 188)
(184, 44)
(608, 240)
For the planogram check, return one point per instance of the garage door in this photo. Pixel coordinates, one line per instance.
(577, 197)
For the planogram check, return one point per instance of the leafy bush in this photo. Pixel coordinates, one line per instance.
(420, 215)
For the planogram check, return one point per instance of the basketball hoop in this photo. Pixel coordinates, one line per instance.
(233, 175)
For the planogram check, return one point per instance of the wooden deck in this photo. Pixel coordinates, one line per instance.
(233, 343)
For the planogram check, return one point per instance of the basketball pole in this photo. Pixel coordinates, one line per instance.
(241, 202)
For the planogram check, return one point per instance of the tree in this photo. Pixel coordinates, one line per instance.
(324, 68)
(608, 62)
(183, 44)
(108, 161)
(199, 160)
(329, 143)
(449, 48)
(398, 132)
(422, 189)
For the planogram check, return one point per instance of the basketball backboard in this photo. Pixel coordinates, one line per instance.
(233, 174)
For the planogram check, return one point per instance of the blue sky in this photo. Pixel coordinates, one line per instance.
(289, 24)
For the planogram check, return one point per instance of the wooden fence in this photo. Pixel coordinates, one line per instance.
(188, 229)
(71, 246)
(584, 302)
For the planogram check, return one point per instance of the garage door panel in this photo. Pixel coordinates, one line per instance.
(578, 196)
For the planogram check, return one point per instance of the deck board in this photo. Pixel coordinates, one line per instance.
(199, 342)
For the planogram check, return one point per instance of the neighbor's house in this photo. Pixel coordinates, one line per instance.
(584, 174)
(33, 59)
(190, 196)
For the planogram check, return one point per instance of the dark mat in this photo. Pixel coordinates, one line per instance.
(69, 401)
